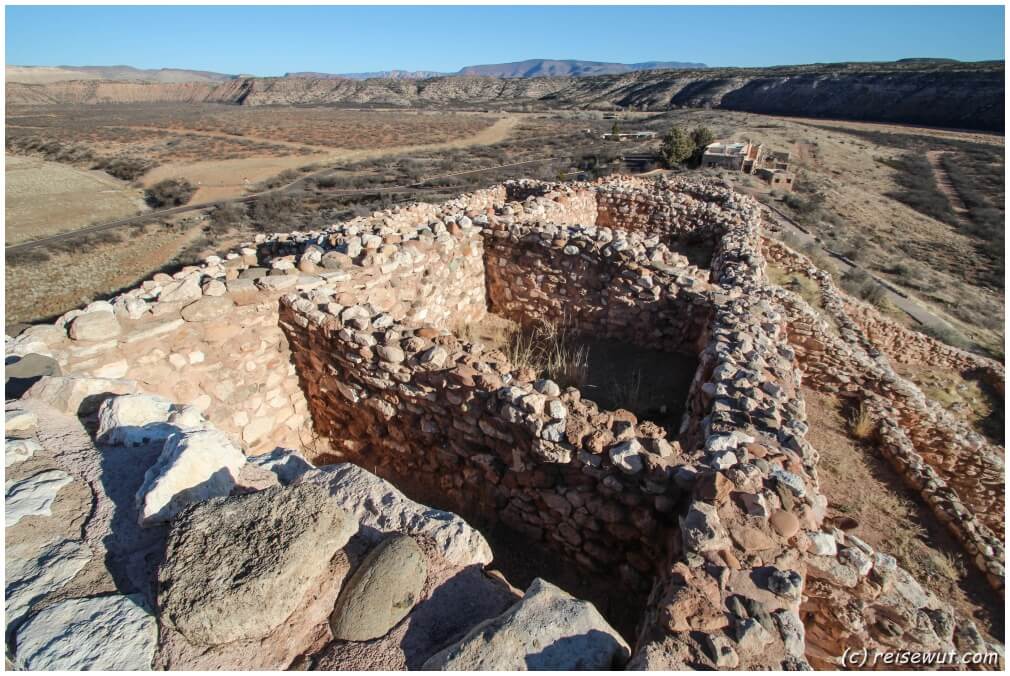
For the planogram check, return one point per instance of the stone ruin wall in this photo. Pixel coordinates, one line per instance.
(727, 522)
(503, 448)
(958, 472)
(559, 274)
(202, 337)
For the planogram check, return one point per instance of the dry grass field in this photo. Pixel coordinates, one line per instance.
(225, 150)
(45, 198)
(48, 286)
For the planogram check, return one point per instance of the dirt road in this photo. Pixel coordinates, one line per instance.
(223, 179)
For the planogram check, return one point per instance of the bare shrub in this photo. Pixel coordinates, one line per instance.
(172, 192)
(227, 216)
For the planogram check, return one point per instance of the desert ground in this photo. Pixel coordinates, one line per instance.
(45, 198)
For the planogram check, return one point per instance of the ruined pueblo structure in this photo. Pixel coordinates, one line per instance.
(238, 465)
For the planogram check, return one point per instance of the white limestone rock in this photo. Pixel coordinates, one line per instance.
(627, 456)
(19, 422)
(33, 496)
(377, 504)
(94, 326)
(31, 574)
(134, 420)
(182, 291)
(19, 450)
(547, 630)
(99, 633)
(194, 466)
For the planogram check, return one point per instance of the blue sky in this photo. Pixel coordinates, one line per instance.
(267, 40)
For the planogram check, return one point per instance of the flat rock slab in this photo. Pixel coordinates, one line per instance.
(33, 496)
(26, 371)
(547, 629)
(103, 632)
(384, 588)
(31, 574)
(380, 508)
(19, 422)
(207, 308)
(236, 568)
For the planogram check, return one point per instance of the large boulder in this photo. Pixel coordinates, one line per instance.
(383, 589)
(454, 599)
(378, 506)
(194, 465)
(103, 632)
(237, 568)
(94, 326)
(547, 629)
(78, 395)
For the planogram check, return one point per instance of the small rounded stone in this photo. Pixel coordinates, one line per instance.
(785, 523)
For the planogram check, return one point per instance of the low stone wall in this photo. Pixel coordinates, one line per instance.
(415, 404)
(958, 473)
(206, 337)
(597, 282)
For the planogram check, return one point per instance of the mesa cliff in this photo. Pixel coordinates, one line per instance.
(964, 95)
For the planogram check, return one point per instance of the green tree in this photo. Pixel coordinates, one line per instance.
(677, 147)
(702, 136)
(615, 130)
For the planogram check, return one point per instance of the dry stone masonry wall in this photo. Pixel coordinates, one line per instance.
(343, 343)
(958, 472)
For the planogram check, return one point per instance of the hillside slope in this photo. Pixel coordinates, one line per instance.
(963, 95)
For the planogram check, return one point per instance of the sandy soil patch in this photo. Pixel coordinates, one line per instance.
(45, 198)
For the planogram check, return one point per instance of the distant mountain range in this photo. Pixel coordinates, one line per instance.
(567, 68)
(516, 69)
(929, 92)
(45, 74)
(376, 75)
